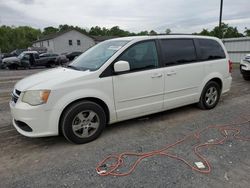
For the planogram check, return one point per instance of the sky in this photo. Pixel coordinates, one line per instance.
(181, 16)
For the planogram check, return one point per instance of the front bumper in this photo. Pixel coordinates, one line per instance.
(245, 67)
(40, 120)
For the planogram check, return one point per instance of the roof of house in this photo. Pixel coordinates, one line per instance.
(57, 34)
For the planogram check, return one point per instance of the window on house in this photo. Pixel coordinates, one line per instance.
(70, 42)
(78, 43)
(48, 42)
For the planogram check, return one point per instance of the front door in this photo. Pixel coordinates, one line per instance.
(139, 91)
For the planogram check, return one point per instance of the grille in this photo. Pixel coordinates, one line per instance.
(15, 95)
(17, 92)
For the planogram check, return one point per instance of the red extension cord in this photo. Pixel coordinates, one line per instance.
(105, 170)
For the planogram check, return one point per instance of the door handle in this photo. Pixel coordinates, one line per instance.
(171, 73)
(157, 75)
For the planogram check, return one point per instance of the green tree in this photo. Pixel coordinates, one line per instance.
(97, 31)
(65, 27)
(49, 30)
(205, 32)
(152, 32)
(116, 31)
(143, 33)
(247, 32)
(12, 38)
(168, 31)
(225, 31)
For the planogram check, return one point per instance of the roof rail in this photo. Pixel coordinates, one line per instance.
(172, 34)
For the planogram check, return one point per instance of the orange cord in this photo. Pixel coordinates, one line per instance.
(103, 170)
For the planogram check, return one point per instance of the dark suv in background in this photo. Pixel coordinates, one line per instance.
(29, 59)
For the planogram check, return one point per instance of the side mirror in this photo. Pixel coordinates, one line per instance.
(121, 66)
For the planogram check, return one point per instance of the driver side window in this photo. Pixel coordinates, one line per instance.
(36, 56)
(141, 56)
(26, 56)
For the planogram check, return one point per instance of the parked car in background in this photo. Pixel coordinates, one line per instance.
(62, 60)
(48, 55)
(72, 55)
(245, 67)
(14, 62)
(29, 59)
(40, 50)
(17, 52)
(120, 79)
(0, 60)
(14, 53)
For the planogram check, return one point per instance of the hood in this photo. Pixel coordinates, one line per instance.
(10, 59)
(50, 79)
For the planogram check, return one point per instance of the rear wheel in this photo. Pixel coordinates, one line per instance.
(51, 64)
(83, 122)
(27, 66)
(210, 96)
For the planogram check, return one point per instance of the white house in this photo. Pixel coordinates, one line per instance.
(65, 42)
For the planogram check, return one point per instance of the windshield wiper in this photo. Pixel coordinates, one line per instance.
(77, 68)
(73, 67)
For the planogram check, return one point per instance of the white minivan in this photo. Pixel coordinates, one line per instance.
(120, 79)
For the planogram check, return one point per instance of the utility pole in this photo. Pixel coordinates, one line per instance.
(221, 7)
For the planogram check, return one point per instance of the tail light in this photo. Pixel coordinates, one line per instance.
(230, 66)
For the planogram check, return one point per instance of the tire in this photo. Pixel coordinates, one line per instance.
(27, 67)
(50, 64)
(13, 67)
(210, 96)
(246, 77)
(83, 122)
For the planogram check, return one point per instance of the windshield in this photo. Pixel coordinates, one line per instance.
(96, 56)
(21, 56)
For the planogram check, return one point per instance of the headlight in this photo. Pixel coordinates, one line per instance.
(36, 97)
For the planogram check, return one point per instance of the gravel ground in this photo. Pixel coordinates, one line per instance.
(53, 162)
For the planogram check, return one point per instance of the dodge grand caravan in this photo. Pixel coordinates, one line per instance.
(120, 79)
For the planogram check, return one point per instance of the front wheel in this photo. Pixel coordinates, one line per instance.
(210, 96)
(83, 122)
(13, 67)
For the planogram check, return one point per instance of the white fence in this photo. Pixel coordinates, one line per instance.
(237, 48)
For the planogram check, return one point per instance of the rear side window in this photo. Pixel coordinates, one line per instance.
(210, 50)
(178, 51)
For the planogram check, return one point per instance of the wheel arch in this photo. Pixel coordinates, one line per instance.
(216, 77)
(13, 64)
(218, 81)
(92, 99)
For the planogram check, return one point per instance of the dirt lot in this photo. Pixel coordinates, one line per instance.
(53, 162)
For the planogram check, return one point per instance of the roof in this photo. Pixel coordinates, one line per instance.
(148, 37)
(30, 52)
(57, 34)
